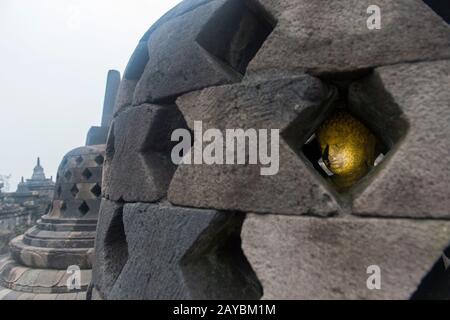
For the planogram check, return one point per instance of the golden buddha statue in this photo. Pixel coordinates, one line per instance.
(348, 149)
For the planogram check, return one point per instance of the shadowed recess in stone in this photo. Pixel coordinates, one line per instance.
(87, 173)
(99, 160)
(210, 45)
(109, 152)
(115, 247)
(157, 145)
(59, 191)
(217, 261)
(83, 208)
(74, 190)
(440, 7)
(96, 190)
(436, 284)
(176, 253)
(140, 168)
(236, 33)
(380, 130)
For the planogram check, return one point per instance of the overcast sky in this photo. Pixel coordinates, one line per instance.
(54, 58)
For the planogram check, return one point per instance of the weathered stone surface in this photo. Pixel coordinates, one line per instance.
(196, 45)
(442, 8)
(97, 135)
(332, 36)
(63, 237)
(140, 56)
(138, 166)
(414, 180)
(301, 102)
(22, 279)
(111, 252)
(179, 253)
(177, 63)
(156, 251)
(313, 258)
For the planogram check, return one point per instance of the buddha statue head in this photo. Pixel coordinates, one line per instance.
(348, 148)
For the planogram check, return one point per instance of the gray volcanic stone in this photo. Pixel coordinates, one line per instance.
(138, 166)
(313, 258)
(195, 45)
(111, 251)
(177, 63)
(324, 36)
(414, 179)
(181, 253)
(140, 56)
(297, 108)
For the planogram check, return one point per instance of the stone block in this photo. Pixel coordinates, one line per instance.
(325, 37)
(175, 253)
(196, 45)
(138, 166)
(111, 249)
(313, 258)
(414, 179)
(300, 104)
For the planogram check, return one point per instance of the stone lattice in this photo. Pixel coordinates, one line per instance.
(225, 231)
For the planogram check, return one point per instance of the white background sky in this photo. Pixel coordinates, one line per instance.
(54, 57)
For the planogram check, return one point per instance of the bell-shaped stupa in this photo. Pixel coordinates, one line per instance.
(52, 260)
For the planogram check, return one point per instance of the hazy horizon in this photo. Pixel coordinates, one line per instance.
(54, 60)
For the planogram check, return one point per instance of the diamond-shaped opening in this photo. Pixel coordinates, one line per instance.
(115, 245)
(99, 159)
(236, 33)
(441, 8)
(96, 190)
(68, 174)
(87, 173)
(219, 254)
(63, 206)
(83, 208)
(59, 191)
(157, 146)
(350, 137)
(436, 284)
(74, 190)
(79, 160)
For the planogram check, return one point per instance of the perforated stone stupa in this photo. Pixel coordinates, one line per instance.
(64, 237)
(227, 232)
